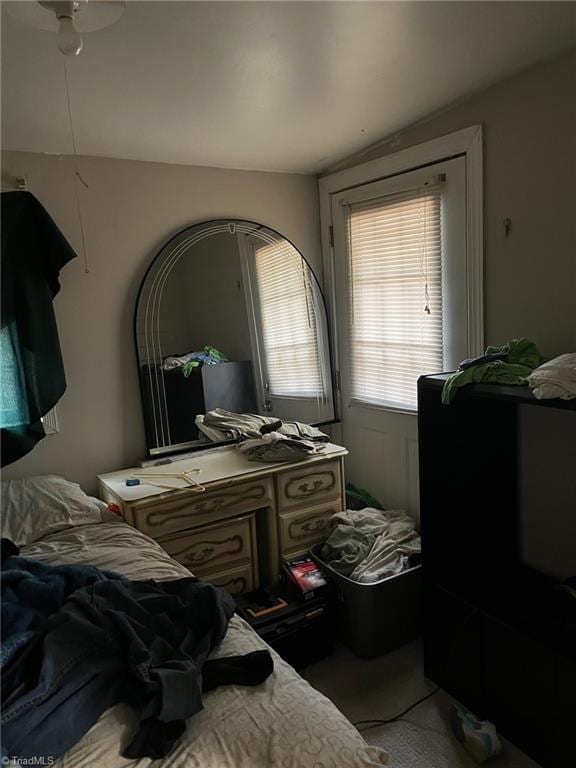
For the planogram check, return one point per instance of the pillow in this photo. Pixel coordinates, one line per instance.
(556, 378)
(33, 507)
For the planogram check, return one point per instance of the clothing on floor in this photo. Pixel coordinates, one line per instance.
(509, 364)
(556, 378)
(394, 540)
(33, 253)
(143, 643)
(359, 498)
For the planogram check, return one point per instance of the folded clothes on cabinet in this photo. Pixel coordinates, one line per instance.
(556, 378)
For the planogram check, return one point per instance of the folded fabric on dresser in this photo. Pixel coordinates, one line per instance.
(263, 438)
(242, 426)
(276, 447)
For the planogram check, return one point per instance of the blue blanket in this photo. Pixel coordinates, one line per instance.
(32, 591)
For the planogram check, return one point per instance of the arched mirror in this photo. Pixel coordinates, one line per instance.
(230, 315)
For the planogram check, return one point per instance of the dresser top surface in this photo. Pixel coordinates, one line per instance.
(212, 467)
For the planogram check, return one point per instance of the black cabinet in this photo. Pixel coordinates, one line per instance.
(498, 518)
(172, 401)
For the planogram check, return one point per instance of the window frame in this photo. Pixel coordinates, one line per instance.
(465, 143)
(450, 177)
(247, 250)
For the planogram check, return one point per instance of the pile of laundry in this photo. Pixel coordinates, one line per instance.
(517, 363)
(262, 438)
(369, 544)
(192, 360)
(510, 364)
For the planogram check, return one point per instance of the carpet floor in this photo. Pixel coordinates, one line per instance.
(383, 687)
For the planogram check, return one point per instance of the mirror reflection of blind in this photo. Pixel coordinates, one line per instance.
(289, 322)
(395, 273)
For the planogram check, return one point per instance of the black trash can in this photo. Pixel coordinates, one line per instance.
(373, 619)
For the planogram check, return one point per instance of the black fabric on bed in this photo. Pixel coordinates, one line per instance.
(155, 739)
(144, 643)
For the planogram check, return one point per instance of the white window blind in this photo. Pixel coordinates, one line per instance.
(289, 325)
(395, 278)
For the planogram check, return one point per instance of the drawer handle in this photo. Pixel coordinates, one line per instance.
(198, 557)
(251, 495)
(210, 505)
(314, 525)
(302, 487)
(312, 487)
(206, 550)
(304, 530)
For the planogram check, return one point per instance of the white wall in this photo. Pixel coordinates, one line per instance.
(131, 209)
(529, 126)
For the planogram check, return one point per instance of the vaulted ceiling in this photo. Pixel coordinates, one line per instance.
(283, 86)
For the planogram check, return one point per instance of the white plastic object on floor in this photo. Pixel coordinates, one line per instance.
(478, 737)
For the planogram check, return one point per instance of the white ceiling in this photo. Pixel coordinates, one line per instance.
(283, 86)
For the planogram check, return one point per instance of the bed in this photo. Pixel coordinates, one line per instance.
(284, 723)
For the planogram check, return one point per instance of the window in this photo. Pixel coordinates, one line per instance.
(401, 234)
(395, 302)
(14, 410)
(13, 402)
(288, 321)
(403, 284)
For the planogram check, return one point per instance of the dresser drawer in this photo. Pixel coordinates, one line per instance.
(235, 580)
(213, 548)
(302, 528)
(194, 509)
(309, 485)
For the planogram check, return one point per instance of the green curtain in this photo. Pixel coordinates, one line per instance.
(32, 376)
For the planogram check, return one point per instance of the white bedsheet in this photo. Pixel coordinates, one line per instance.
(284, 723)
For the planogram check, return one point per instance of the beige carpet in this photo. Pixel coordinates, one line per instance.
(383, 687)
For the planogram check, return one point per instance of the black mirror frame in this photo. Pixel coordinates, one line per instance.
(204, 446)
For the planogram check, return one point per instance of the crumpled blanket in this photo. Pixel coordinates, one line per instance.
(556, 378)
(32, 592)
(371, 544)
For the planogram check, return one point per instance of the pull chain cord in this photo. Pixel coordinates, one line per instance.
(77, 176)
(424, 252)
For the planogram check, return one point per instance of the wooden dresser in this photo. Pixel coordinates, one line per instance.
(248, 518)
